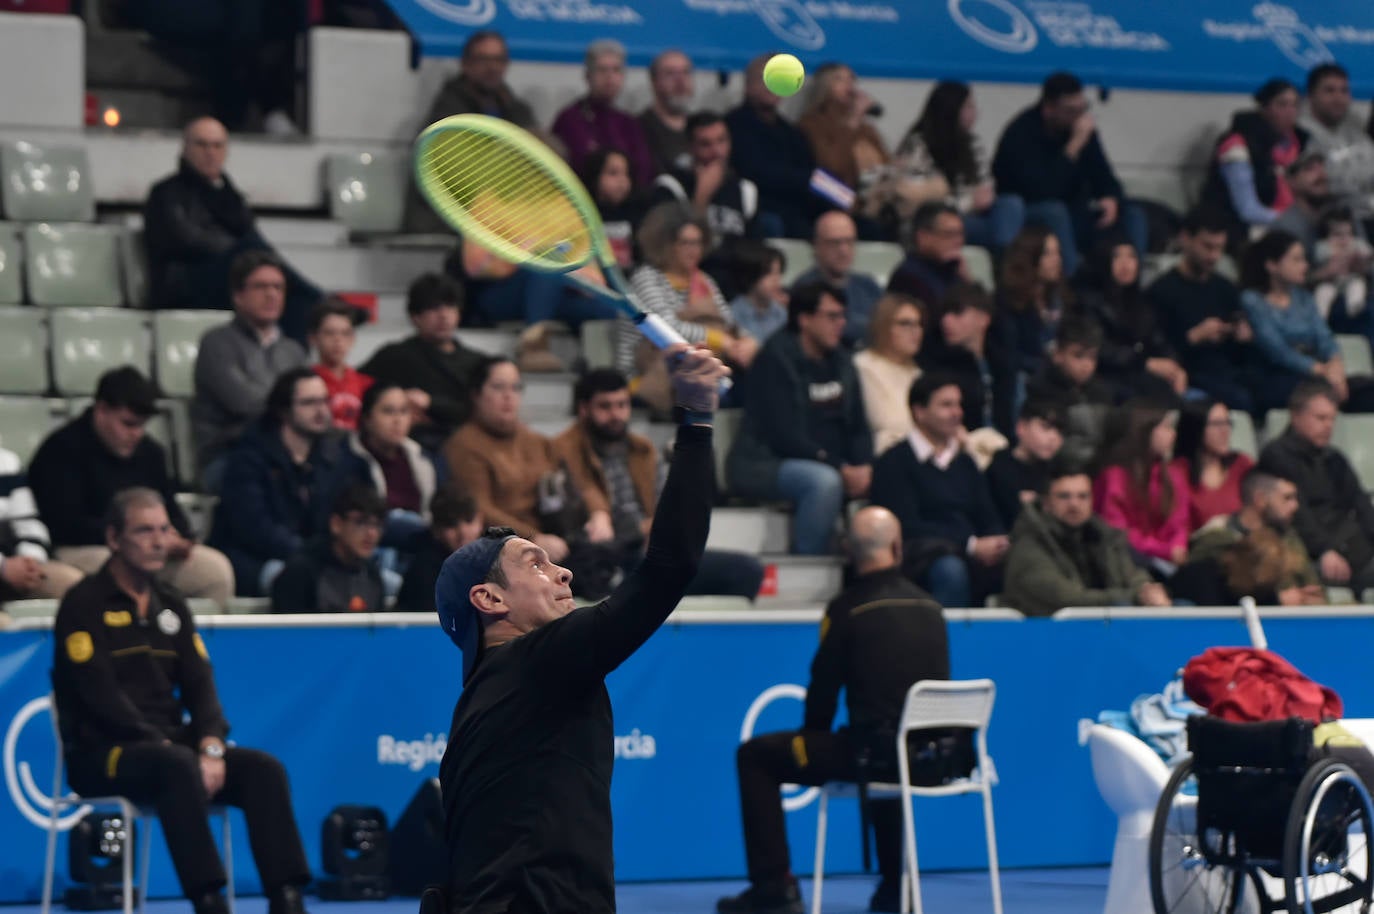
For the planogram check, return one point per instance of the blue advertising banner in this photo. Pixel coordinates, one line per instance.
(1221, 45)
(359, 715)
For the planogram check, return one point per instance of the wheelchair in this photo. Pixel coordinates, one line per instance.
(1257, 821)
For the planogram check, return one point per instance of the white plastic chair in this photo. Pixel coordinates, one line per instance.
(930, 703)
(133, 815)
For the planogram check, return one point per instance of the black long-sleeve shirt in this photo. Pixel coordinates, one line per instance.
(119, 678)
(526, 777)
(1334, 513)
(1030, 162)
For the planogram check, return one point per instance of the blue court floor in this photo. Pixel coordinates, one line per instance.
(1057, 891)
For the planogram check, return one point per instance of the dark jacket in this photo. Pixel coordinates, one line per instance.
(1008, 477)
(186, 221)
(74, 477)
(1131, 334)
(1045, 566)
(1220, 533)
(1334, 512)
(1030, 163)
(780, 420)
(1053, 386)
(777, 158)
(444, 376)
(989, 394)
(427, 557)
(1180, 304)
(1260, 140)
(923, 279)
(118, 679)
(952, 504)
(269, 507)
(315, 581)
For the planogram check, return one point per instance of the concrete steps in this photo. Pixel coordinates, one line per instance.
(361, 269)
(801, 579)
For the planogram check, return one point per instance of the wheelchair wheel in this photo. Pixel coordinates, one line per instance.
(1328, 858)
(1181, 878)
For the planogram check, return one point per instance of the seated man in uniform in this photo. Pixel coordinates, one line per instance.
(880, 636)
(128, 667)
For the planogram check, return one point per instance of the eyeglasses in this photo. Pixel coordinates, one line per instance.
(907, 323)
(515, 388)
(1228, 422)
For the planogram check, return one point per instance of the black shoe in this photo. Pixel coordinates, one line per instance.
(210, 903)
(887, 897)
(287, 899)
(779, 898)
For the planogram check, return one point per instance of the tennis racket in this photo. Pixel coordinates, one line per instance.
(503, 189)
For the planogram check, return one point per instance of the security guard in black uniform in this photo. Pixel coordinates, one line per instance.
(129, 665)
(879, 636)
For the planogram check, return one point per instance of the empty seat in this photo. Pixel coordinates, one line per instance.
(46, 183)
(1355, 353)
(23, 351)
(176, 336)
(878, 259)
(11, 265)
(24, 423)
(73, 265)
(366, 191)
(979, 263)
(1243, 433)
(1276, 421)
(798, 254)
(87, 342)
(1354, 437)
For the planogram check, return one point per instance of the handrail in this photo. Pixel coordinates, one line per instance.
(1108, 613)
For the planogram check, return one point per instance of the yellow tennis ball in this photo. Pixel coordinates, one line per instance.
(783, 74)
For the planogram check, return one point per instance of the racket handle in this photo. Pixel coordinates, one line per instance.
(659, 332)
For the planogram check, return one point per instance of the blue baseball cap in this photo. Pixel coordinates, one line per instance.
(462, 571)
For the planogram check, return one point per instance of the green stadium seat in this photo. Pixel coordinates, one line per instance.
(598, 343)
(46, 183)
(11, 265)
(73, 265)
(1275, 421)
(1243, 433)
(979, 264)
(1354, 437)
(87, 342)
(23, 351)
(24, 423)
(798, 254)
(367, 191)
(878, 259)
(727, 425)
(1355, 354)
(176, 338)
(133, 268)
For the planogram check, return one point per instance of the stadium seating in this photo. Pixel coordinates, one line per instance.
(23, 351)
(1354, 437)
(25, 422)
(176, 339)
(87, 342)
(598, 343)
(979, 264)
(133, 268)
(878, 259)
(798, 254)
(1243, 433)
(73, 265)
(11, 265)
(367, 192)
(1355, 354)
(50, 183)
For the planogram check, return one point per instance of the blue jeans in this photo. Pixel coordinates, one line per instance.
(996, 226)
(531, 296)
(1077, 231)
(948, 582)
(817, 495)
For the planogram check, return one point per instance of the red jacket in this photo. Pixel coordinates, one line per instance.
(1246, 684)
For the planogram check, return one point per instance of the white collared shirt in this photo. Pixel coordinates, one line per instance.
(926, 453)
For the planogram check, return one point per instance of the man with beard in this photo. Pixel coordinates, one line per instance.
(665, 120)
(1338, 133)
(618, 474)
(1268, 499)
(1307, 179)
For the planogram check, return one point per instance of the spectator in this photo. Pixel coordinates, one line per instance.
(1069, 377)
(1018, 474)
(1136, 358)
(1213, 469)
(606, 174)
(672, 285)
(1292, 341)
(1063, 555)
(710, 187)
(1335, 517)
(1051, 156)
(618, 475)
(79, 468)
(887, 368)
(955, 541)
(843, 141)
(1033, 294)
(479, 88)
(1141, 492)
(237, 364)
(1202, 316)
(761, 308)
(1311, 195)
(333, 332)
(1341, 278)
(963, 344)
(1252, 566)
(940, 158)
(337, 572)
(1268, 502)
(280, 482)
(593, 122)
(768, 150)
(1247, 179)
(664, 122)
(454, 521)
(936, 259)
(26, 567)
(804, 438)
(1334, 130)
(833, 245)
(433, 365)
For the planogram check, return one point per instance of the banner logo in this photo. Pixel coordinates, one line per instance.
(794, 797)
(790, 21)
(466, 12)
(33, 804)
(999, 24)
(1297, 42)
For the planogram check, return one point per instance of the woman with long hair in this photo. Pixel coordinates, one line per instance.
(940, 157)
(844, 142)
(1205, 456)
(1140, 491)
(888, 367)
(1033, 294)
(607, 175)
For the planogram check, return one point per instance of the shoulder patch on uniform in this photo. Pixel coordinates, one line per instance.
(200, 646)
(118, 618)
(80, 647)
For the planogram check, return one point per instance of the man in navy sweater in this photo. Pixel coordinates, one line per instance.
(771, 152)
(956, 543)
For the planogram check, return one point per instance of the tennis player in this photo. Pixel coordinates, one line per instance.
(526, 777)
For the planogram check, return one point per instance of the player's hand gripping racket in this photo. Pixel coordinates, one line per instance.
(504, 190)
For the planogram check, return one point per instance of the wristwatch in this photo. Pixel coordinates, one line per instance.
(684, 416)
(213, 750)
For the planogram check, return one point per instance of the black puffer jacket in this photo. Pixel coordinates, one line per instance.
(186, 221)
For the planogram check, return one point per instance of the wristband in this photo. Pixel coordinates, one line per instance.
(685, 416)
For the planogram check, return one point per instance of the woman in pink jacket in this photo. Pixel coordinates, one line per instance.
(1139, 492)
